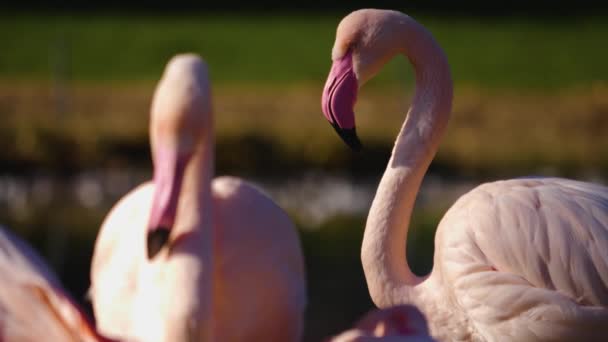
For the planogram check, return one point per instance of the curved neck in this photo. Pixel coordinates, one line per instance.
(195, 202)
(389, 277)
(189, 262)
(194, 223)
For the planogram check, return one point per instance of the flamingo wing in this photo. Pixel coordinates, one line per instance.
(527, 259)
(33, 305)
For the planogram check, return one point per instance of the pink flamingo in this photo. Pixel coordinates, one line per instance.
(516, 260)
(403, 323)
(188, 257)
(33, 305)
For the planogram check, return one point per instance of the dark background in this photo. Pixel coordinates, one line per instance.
(491, 8)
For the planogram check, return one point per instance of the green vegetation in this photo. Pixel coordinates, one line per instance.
(293, 48)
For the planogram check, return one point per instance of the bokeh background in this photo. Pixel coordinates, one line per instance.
(531, 98)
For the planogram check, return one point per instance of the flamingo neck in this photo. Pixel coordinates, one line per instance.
(195, 208)
(189, 262)
(195, 224)
(389, 277)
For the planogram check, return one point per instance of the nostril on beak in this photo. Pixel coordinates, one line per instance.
(156, 240)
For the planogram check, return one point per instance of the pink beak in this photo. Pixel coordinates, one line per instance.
(168, 175)
(338, 100)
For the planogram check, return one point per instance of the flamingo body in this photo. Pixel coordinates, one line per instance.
(248, 265)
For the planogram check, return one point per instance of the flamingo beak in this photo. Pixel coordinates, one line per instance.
(168, 175)
(338, 100)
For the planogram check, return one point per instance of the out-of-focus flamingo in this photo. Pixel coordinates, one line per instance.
(516, 260)
(188, 257)
(34, 306)
(402, 323)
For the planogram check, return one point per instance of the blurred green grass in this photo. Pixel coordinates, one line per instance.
(530, 92)
(290, 48)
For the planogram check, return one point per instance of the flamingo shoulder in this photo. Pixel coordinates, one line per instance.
(239, 199)
(115, 263)
(126, 218)
(257, 248)
(244, 209)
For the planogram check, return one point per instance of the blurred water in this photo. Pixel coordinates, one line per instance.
(312, 198)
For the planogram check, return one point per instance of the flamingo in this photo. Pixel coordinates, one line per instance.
(33, 304)
(402, 323)
(515, 260)
(188, 257)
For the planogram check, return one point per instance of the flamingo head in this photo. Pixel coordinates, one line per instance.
(365, 41)
(401, 320)
(180, 114)
(397, 323)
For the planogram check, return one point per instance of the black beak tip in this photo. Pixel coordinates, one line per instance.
(349, 136)
(156, 240)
